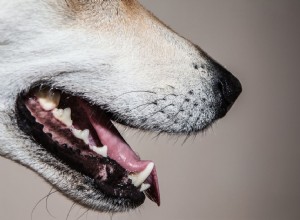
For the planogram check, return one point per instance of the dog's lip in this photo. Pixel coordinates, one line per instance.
(122, 153)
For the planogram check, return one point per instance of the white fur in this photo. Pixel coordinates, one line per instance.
(146, 77)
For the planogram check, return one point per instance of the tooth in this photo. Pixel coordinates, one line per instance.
(82, 135)
(100, 150)
(85, 136)
(63, 115)
(49, 100)
(58, 112)
(144, 187)
(139, 178)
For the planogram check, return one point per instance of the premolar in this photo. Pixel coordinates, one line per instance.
(63, 115)
(103, 151)
(82, 135)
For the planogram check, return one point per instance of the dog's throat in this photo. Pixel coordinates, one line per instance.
(84, 138)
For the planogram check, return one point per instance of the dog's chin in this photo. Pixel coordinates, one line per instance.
(82, 137)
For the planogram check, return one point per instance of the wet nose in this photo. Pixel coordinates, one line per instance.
(229, 86)
(226, 84)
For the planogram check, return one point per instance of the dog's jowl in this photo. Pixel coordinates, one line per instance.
(68, 68)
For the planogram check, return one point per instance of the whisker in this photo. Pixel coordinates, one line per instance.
(82, 214)
(34, 208)
(70, 210)
(78, 211)
(170, 120)
(148, 103)
(154, 113)
(111, 216)
(86, 216)
(157, 135)
(47, 203)
(186, 138)
(177, 138)
(152, 102)
(138, 91)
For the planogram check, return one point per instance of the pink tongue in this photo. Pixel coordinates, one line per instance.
(120, 151)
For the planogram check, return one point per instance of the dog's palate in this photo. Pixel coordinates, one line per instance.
(87, 130)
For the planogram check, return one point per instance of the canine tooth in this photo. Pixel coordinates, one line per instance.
(82, 135)
(49, 100)
(100, 150)
(63, 115)
(144, 187)
(139, 178)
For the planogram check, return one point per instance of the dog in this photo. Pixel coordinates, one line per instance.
(68, 68)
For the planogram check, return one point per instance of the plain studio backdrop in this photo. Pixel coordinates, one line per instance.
(247, 167)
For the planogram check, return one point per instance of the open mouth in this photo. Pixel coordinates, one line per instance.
(83, 137)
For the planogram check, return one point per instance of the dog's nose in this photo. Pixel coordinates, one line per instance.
(229, 86)
(226, 85)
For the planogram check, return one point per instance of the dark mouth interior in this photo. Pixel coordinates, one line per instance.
(107, 175)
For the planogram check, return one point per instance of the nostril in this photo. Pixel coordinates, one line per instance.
(220, 87)
(229, 87)
(226, 87)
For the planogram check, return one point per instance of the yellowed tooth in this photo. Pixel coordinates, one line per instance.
(103, 151)
(63, 115)
(82, 135)
(48, 99)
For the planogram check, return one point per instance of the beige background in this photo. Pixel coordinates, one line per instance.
(248, 166)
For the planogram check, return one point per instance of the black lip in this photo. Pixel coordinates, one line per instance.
(130, 194)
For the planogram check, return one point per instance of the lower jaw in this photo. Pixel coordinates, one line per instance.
(122, 192)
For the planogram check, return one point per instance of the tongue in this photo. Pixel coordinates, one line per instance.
(121, 152)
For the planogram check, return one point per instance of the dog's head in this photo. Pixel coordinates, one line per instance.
(76, 65)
